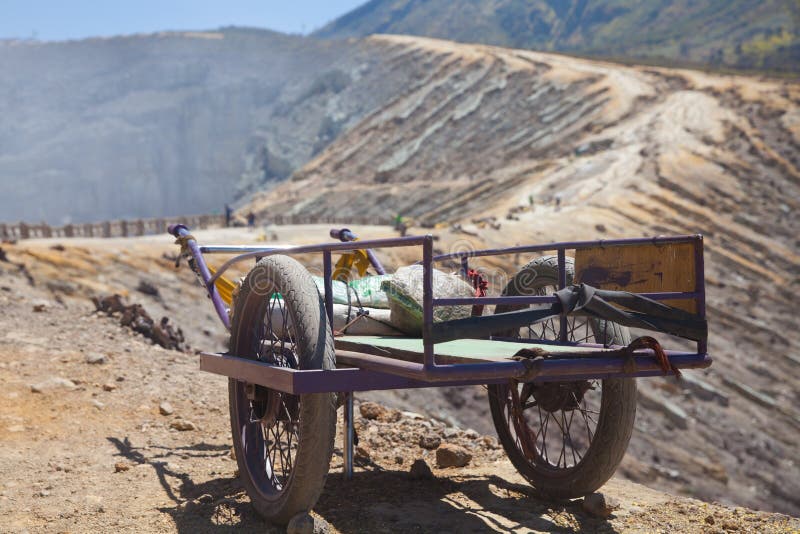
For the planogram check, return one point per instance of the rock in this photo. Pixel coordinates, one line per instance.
(95, 358)
(302, 523)
(420, 470)
(120, 467)
(654, 401)
(599, 505)
(374, 411)
(205, 498)
(147, 288)
(703, 390)
(449, 455)
(165, 408)
(430, 441)
(451, 432)
(489, 442)
(55, 382)
(183, 425)
(750, 393)
(398, 460)
(709, 519)
(39, 307)
(109, 387)
(97, 404)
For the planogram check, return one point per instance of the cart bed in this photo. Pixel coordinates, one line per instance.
(458, 351)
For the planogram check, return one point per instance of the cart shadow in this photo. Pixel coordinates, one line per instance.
(216, 505)
(474, 503)
(375, 496)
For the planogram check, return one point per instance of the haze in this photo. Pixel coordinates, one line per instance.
(53, 20)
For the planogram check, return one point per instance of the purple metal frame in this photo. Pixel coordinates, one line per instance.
(377, 372)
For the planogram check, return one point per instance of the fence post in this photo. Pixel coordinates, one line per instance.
(24, 232)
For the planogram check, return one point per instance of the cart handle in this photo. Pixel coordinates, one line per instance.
(345, 235)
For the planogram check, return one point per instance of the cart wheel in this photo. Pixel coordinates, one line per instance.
(283, 442)
(565, 438)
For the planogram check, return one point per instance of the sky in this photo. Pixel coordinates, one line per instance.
(57, 20)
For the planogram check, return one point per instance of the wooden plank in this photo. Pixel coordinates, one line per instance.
(640, 269)
(458, 351)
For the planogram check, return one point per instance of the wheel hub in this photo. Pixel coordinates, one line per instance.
(556, 396)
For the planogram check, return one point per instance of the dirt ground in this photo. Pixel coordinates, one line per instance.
(86, 447)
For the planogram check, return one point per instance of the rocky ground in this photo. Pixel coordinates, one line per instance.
(89, 404)
(103, 431)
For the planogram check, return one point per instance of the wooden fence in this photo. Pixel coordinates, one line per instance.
(138, 227)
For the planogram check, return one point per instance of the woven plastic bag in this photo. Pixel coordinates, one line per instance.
(404, 291)
(366, 291)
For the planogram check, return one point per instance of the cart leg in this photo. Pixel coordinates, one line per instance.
(349, 433)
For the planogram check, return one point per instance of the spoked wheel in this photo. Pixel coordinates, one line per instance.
(283, 442)
(565, 438)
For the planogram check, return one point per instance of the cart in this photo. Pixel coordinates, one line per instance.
(556, 355)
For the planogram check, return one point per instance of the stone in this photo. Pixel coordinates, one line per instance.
(420, 470)
(54, 382)
(749, 393)
(109, 387)
(599, 505)
(205, 498)
(95, 358)
(120, 467)
(183, 425)
(302, 523)
(703, 390)
(376, 412)
(674, 413)
(430, 441)
(165, 408)
(489, 442)
(450, 455)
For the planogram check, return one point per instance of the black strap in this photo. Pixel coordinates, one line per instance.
(640, 312)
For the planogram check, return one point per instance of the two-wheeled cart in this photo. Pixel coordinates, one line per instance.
(556, 355)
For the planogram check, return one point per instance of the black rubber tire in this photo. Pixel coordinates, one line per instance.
(316, 425)
(617, 407)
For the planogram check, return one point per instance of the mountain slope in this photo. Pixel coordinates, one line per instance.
(741, 33)
(557, 148)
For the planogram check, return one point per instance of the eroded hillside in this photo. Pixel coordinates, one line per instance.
(559, 148)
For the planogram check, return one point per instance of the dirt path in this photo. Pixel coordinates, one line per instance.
(91, 447)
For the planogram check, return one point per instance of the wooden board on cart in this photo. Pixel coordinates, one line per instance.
(643, 268)
(458, 351)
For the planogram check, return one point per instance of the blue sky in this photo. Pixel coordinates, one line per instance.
(75, 19)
